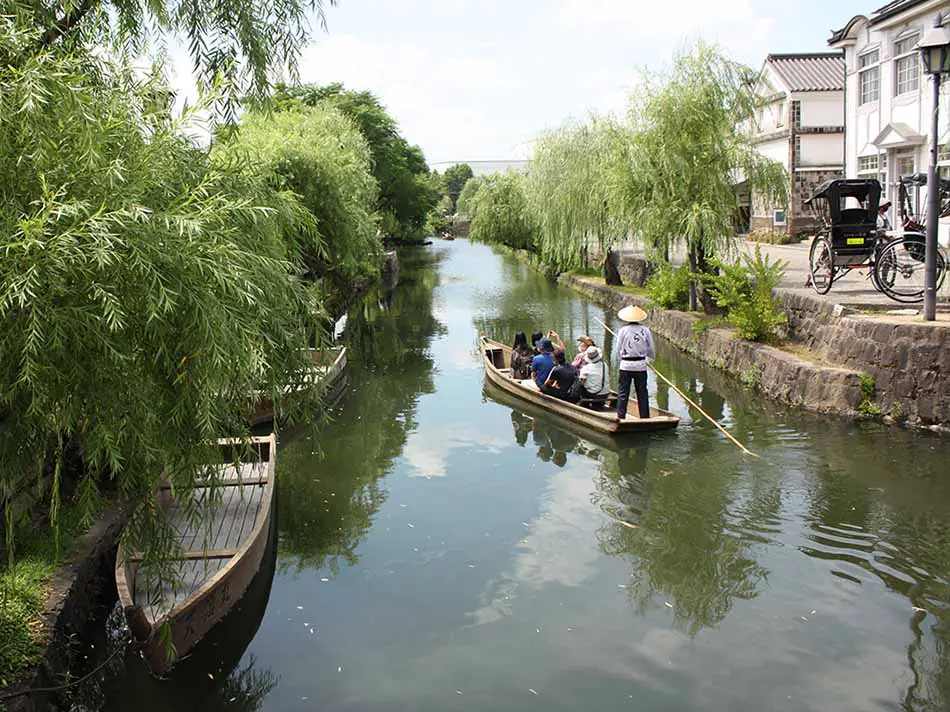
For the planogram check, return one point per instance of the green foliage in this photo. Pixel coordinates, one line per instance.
(868, 408)
(701, 326)
(406, 191)
(574, 190)
(454, 179)
(466, 201)
(688, 146)
(751, 377)
(668, 287)
(501, 213)
(320, 155)
(744, 289)
(144, 292)
(245, 43)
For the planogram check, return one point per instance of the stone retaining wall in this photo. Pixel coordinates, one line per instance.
(778, 374)
(909, 361)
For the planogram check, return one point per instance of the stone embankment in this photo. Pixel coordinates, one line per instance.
(836, 361)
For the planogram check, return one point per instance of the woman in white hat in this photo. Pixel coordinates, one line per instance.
(595, 384)
(634, 347)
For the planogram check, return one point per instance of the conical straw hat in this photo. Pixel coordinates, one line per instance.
(632, 313)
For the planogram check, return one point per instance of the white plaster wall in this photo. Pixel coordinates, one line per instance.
(776, 150)
(822, 108)
(821, 150)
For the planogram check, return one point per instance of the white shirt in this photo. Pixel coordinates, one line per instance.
(594, 376)
(635, 340)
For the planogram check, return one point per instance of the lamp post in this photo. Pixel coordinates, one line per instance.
(935, 56)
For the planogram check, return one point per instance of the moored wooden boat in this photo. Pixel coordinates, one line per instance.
(328, 373)
(219, 558)
(497, 359)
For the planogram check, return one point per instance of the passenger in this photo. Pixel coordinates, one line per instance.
(521, 355)
(543, 363)
(634, 347)
(561, 378)
(595, 383)
(536, 341)
(557, 341)
(583, 343)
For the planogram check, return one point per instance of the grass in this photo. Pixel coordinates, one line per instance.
(595, 277)
(23, 591)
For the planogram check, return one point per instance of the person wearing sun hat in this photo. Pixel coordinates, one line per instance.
(583, 343)
(634, 347)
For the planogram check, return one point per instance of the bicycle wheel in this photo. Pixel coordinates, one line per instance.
(884, 270)
(821, 264)
(901, 273)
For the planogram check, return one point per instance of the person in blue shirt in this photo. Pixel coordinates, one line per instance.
(543, 363)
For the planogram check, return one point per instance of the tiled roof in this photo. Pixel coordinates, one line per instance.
(809, 72)
(893, 8)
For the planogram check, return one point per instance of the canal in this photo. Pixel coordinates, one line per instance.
(440, 550)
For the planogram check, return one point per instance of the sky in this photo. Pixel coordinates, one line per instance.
(479, 79)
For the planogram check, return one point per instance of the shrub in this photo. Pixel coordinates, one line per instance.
(668, 288)
(744, 290)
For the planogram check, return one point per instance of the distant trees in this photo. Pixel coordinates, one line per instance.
(499, 212)
(454, 180)
(406, 192)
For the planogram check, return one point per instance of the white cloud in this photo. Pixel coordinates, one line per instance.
(428, 455)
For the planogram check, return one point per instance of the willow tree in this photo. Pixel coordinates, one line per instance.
(320, 155)
(688, 152)
(573, 191)
(501, 214)
(144, 294)
(246, 43)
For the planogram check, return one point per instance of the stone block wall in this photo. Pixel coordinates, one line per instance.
(802, 219)
(909, 361)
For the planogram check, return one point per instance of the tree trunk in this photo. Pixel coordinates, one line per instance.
(612, 268)
(693, 273)
(64, 25)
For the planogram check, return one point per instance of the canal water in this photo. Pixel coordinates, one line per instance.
(438, 549)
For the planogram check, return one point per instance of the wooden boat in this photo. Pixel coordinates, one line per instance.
(329, 373)
(218, 560)
(497, 358)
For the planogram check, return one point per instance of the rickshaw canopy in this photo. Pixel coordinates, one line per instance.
(840, 196)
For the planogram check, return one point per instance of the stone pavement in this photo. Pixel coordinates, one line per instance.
(853, 290)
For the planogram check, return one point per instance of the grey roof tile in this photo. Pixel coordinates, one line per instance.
(809, 72)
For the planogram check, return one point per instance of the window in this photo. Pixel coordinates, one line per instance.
(780, 115)
(778, 216)
(943, 160)
(904, 164)
(869, 76)
(906, 65)
(867, 164)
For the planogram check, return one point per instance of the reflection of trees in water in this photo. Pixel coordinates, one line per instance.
(244, 690)
(899, 535)
(330, 476)
(688, 534)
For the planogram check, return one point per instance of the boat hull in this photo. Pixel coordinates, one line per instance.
(188, 621)
(496, 357)
(333, 381)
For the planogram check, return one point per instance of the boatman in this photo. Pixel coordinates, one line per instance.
(634, 347)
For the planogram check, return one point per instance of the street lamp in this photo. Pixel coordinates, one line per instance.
(935, 56)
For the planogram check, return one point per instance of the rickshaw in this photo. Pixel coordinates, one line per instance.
(851, 239)
(913, 213)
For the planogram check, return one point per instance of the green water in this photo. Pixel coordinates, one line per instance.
(438, 550)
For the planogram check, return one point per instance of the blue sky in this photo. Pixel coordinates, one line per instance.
(478, 79)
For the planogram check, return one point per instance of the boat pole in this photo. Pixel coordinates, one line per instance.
(686, 398)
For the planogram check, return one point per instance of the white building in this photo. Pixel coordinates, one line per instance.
(889, 99)
(800, 124)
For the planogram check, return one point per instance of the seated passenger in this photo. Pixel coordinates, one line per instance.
(521, 355)
(561, 378)
(543, 363)
(583, 343)
(595, 383)
(536, 341)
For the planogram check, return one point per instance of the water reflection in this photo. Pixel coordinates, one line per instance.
(325, 512)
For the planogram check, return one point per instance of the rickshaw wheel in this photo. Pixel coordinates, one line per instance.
(821, 264)
(901, 275)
